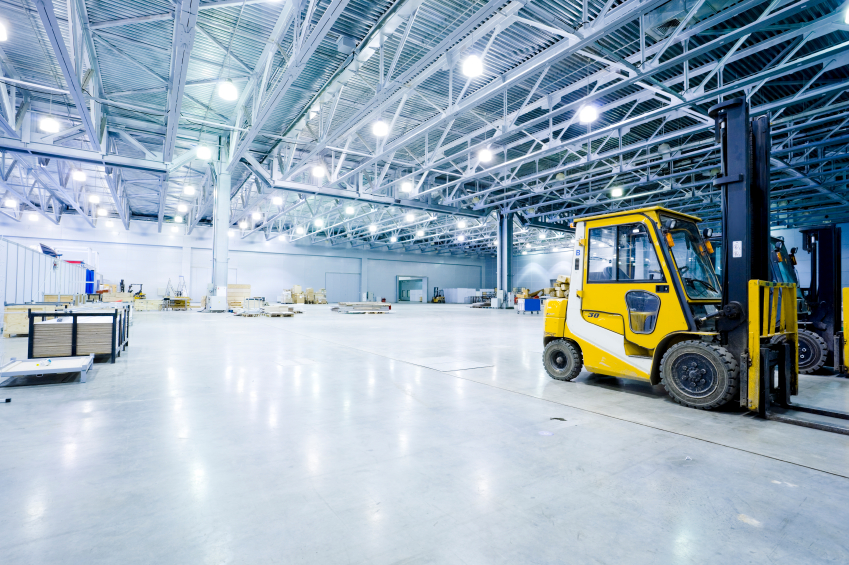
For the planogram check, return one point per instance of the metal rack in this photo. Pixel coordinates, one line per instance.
(120, 328)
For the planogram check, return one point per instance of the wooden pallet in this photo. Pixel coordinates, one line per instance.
(279, 314)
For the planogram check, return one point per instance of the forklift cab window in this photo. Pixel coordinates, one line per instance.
(602, 253)
(692, 260)
(622, 254)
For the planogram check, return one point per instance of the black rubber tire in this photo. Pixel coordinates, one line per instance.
(562, 360)
(699, 375)
(813, 351)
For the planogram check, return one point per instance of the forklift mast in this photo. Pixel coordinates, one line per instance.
(745, 146)
(824, 293)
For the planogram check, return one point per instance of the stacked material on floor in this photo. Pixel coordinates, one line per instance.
(320, 297)
(236, 293)
(482, 305)
(72, 299)
(52, 338)
(286, 297)
(16, 321)
(278, 311)
(309, 296)
(118, 297)
(362, 308)
(561, 287)
(298, 295)
(146, 305)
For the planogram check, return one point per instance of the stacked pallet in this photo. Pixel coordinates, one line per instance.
(52, 338)
(278, 311)
(236, 293)
(16, 320)
(363, 308)
(72, 299)
(145, 305)
(118, 297)
(298, 295)
(321, 297)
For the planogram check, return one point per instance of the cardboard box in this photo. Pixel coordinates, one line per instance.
(297, 289)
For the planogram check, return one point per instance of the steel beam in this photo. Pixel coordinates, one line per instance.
(296, 66)
(54, 34)
(185, 26)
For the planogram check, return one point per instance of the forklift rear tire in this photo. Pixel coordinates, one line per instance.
(812, 351)
(562, 360)
(699, 375)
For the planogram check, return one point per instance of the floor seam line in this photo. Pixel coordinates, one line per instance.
(582, 409)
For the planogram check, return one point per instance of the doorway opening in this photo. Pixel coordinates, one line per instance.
(411, 289)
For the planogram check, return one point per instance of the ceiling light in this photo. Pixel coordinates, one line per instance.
(94, 199)
(33, 217)
(349, 210)
(256, 215)
(420, 233)
(109, 223)
(461, 224)
(227, 90)
(473, 66)
(461, 238)
(78, 175)
(4, 35)
(48, 124)
(182, 208)
(485, 155)
(243, 225)
(102, 211)
(406, 186)
(372, 228)
(277, 201)
(204, 153)
(10, 203)
(178, 219)
(188, 190)
(560, 176)
(299, 230)
(587, 114)
(318, 172)
(542, 236)
(318, 222)
(380, 129)
(616, 192)
(393, 239)
(410, 217)
(524, 252)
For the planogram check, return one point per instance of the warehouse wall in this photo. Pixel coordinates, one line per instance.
(144, 256)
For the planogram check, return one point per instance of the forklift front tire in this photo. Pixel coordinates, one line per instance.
(699, 375)
(812, 351)
(562, 360)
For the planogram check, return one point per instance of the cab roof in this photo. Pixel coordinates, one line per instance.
(638, 211)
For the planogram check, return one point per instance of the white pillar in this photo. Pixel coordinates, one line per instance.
(220, 226)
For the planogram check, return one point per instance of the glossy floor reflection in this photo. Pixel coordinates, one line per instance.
(430, 435)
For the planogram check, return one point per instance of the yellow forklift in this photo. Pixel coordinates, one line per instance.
(645, 303)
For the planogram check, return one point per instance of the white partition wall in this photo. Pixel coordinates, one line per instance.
(27, 274)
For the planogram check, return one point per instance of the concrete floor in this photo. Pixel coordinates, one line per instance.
(430, 435)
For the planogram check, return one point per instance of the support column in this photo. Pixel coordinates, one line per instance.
(363, 276)
(504, 268)
(220, 226)
(186, 266)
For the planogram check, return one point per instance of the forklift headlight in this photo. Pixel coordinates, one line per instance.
(707, 233)
(670, 224)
